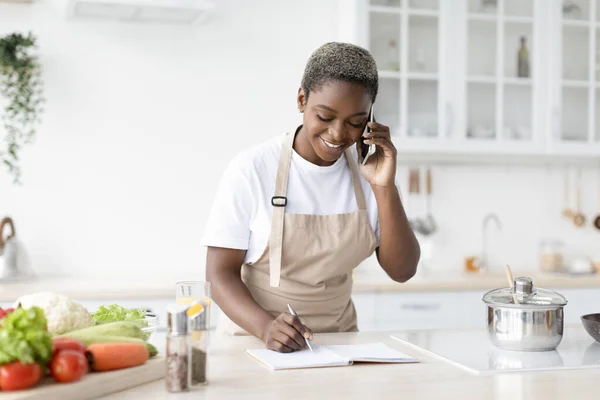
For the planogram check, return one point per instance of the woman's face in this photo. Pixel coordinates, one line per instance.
(335, 116)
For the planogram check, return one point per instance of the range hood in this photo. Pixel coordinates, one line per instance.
(170, 11)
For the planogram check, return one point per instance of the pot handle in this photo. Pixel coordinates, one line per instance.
(6, 221)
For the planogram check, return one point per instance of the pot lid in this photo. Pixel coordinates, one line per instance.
(524, 294)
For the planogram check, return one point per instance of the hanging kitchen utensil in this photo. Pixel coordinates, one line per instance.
(578, 217)
(597, 219)
(511, 282)
(8, 249)
(567, 212)
(429, 223)
(413, 189)
(14, 263)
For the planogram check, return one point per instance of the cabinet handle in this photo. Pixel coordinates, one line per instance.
(420, 306)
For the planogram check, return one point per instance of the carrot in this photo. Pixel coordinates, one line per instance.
(110, 356)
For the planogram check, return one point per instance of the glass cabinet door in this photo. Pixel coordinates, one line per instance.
(404, 39)
(579, 66)
(500, 47)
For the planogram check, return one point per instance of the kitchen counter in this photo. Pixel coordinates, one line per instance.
(443, 282)
(130, 288)
(234, 374)
(102, 289)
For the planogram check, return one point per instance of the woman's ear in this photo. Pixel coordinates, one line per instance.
(301, 100)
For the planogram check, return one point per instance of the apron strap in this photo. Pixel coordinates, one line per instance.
(279, 201)
(358, 191)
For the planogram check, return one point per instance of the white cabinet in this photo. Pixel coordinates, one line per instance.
(575, 76)
(424, 310)
(365, 304)
(389, 311)
(484, 77)
(580, 302)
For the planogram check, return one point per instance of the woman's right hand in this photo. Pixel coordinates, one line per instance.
(286, 334)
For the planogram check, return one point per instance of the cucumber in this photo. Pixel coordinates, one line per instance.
(120, 328)
(93, 339)
(121, 331)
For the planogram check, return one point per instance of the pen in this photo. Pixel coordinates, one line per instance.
(295, 315)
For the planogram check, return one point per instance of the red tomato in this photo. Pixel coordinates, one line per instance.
(4, 313)
(63, 343)
(68, 366)
(17, 376)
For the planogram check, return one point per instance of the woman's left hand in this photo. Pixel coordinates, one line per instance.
(380, 169)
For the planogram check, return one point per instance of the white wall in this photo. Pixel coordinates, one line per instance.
(140, 122)
(528, 201)
(142, 119)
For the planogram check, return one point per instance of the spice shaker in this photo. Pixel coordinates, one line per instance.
(199, 317)
(178, 357)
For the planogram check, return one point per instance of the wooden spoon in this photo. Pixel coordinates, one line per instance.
(511, 282)
(578, 217)
(567, 212)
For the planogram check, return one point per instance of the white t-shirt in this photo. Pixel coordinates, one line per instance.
(241, 213)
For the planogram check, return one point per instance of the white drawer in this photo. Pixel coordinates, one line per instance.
(580, 302)
(430, 310)
(413, 306)
(365, 309)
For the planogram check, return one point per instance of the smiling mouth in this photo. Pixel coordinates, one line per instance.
(331, 145)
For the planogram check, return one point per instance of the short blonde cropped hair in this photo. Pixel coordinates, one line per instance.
(344, 62)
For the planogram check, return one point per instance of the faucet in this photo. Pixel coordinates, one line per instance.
(484, 262)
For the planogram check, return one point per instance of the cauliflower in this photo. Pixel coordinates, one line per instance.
(63, 314)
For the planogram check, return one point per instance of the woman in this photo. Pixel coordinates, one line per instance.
(295, 215)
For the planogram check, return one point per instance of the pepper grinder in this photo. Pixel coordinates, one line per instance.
(179, 352)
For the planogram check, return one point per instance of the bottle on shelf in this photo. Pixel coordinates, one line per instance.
(489, 6)
(523, 60)
(393, 56)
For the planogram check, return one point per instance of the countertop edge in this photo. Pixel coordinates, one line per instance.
(129, 288)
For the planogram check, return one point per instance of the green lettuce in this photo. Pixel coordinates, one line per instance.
(114, 313)
(24, 337)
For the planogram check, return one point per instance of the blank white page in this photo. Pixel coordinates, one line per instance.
(372, 352)
(299, 359)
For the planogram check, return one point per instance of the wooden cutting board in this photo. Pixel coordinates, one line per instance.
(94, 384)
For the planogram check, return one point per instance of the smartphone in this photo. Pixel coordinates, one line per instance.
(365, 149)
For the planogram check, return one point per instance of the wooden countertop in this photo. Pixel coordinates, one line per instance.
(233, 375)
(164, 287)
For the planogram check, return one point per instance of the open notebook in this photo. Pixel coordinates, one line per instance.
(330, 356)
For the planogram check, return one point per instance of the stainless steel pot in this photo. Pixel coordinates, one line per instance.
(525, 318)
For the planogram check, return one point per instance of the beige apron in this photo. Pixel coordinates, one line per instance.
(309, 264)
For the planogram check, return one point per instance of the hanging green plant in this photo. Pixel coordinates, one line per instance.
(21, 92)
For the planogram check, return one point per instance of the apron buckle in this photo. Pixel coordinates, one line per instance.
(279, 204)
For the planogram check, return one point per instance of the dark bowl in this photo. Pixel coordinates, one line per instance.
(591, 323)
